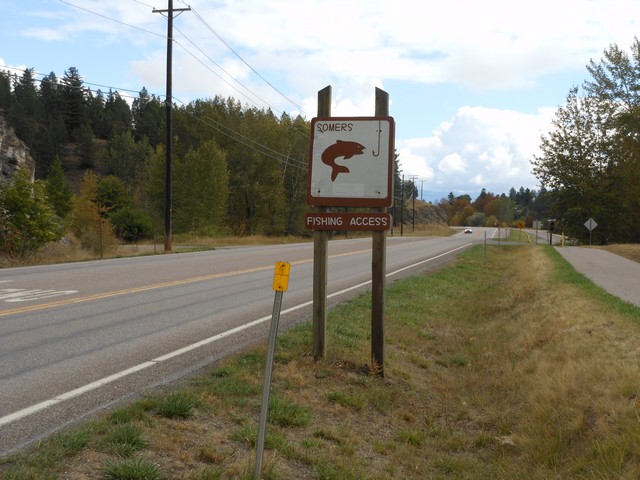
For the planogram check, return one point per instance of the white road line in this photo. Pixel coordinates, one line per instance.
(10, 295)
(25, 412)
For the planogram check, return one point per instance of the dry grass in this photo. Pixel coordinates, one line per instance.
(69, 250)
(513, 368)
(627, 250)
(425, 230)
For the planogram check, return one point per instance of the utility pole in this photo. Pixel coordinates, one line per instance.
(168, 201)
(402, 207)
(413, 178)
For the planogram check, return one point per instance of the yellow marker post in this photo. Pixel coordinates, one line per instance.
(280, 285)
(281, 277)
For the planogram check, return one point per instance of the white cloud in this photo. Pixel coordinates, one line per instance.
(485, 45)
(478, 148)
(453, 163)
(477, 50)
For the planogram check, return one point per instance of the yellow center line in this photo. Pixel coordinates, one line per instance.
(146, 288)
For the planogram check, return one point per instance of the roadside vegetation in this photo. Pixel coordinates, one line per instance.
(98, 164)
(504, 365)
(630, 251)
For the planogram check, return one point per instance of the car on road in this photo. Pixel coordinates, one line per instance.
(468, 230)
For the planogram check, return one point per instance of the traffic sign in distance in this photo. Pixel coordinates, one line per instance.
(590, 224)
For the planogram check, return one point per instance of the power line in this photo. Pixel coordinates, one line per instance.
(227, 73)
(232, 50)
(115, 90)
(249, 143)
(220, 67)
(146, 4)
(225, 130)
(200, 50)
(112, 19)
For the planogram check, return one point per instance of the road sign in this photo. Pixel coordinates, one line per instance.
(351, 162)
(348, 221)
(590, 224)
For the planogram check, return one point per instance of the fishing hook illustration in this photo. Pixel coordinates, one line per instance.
(373, 152)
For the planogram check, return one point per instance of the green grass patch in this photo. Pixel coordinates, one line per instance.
(125, 439)
(286, 413)
(181, 404)
(130, 469)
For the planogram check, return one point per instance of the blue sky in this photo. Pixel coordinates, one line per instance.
(473, 85)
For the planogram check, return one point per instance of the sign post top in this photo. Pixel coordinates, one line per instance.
(351, 161)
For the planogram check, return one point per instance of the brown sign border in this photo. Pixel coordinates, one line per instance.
(353, 201)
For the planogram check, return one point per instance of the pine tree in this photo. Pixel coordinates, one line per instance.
(58, 190)
(73, 101)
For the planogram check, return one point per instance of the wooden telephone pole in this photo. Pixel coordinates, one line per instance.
(168, 200)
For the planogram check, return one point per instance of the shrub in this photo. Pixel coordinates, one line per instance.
(132, 224)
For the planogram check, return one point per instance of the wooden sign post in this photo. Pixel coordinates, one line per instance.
(320, 258)
(351, 165)
(378, 269)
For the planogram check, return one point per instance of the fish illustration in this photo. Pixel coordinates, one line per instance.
(340, 149)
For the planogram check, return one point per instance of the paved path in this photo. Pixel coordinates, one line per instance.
(617, 275)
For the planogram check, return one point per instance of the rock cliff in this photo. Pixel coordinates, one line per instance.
(14, 154)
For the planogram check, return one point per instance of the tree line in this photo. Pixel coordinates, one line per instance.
(590, 160)
(519, 208)
(243, 171)
(236, 170)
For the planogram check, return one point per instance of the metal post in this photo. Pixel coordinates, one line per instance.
(266, 389)
(280, 285)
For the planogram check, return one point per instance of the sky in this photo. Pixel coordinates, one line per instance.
(473, 85)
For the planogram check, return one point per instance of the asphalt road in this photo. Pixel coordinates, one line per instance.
(78, 338)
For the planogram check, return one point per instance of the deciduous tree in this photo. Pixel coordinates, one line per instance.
(590, 159)
(27, 220)
(89, 221)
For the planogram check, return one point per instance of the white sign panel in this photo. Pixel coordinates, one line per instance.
(351, 161)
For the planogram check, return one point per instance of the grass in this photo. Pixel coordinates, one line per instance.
(125, 439)
(130, 469)
(71, 251)
(630, 251)
(509, 365)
